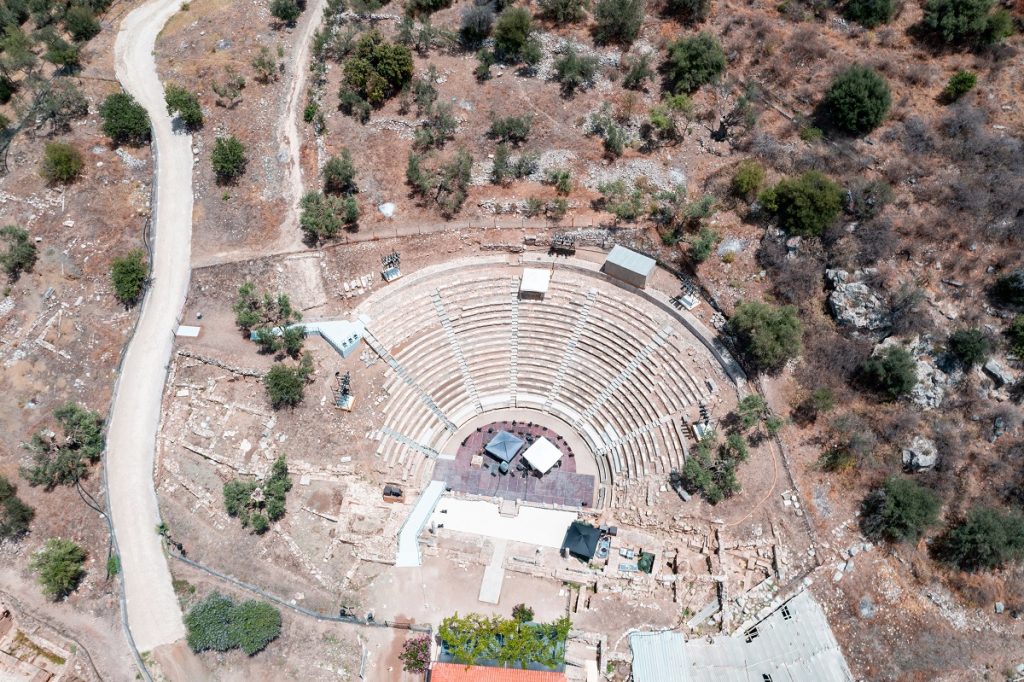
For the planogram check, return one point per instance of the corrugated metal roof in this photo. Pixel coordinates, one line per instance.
(794, 643)
(658, 657)
(456, 672)
(631, 260)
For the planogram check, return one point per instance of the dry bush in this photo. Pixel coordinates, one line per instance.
(919, 74)
(773, 152)
(806, 45)
(876, 240)
(887, 37)
(1013, 589)
(916, 138)
(796, 280)
(829, 358)
(977, 589)
(898, 424)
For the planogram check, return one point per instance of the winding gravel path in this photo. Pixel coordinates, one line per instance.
(154, 617)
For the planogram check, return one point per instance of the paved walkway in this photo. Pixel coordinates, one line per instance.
(533, 525)
(408, 536)
(154, 617)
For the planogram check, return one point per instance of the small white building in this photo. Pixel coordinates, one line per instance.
(629, 266)
(534, 283)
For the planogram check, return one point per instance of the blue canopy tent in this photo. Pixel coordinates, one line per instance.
(504, 446)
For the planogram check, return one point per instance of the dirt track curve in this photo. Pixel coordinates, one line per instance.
(154, 616)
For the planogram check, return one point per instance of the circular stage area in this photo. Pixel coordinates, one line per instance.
(480, 468)
(614, 370)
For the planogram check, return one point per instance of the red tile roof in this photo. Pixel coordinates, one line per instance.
(456, 672)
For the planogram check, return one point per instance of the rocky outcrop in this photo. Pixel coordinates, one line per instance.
(854, 304)
(920, 455)
(932, 381)
(999, 374)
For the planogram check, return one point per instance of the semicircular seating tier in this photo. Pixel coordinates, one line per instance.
(616, 365)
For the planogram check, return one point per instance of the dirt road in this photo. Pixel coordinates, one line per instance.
(290, 237)
(154, 616)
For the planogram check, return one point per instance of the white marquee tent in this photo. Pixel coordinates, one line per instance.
(542, 455)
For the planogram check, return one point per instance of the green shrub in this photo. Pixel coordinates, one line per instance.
(128, 274)
(563, 11)
(436, 129)
(1015, 335)
(81, 23)
(638, 72)
(208, 624)
(512, 35)
(113, 565)
(20, 253)
(987, 539)
(858, 100)
(703, 244)
(267, 311)
(445, 187)
(125, 121)
(804, 205)
(1009, 288)
(960, 83)
(65, 460)
(869, 13)
(376, 70)
(61, 53)
(622, 201)
(748, 178)
(811, 134)
(966, 21)
(899, 511)
(266, 66)
(574, 71)
(62, 102)
(511, 129)
(228, 159)
(7, 88)
(508, 642)
(324, 216)
(692, 62)
(970, 347)
(285, 11)
(340, 174)
(713, 473)
(689, 11)
(286, 385)
(892, 372)
(818, 402)
(611, 133)
(561, 179)
(768, 336)
(617, 21)
(417, 8)
(58, 567)
(270, 504)
(185, 105)
(61, 163)
(522, 613)
(254, 625)
(485, 60)
(15, 515)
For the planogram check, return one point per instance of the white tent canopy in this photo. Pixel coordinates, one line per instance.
(535, 281)
(542, 455)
